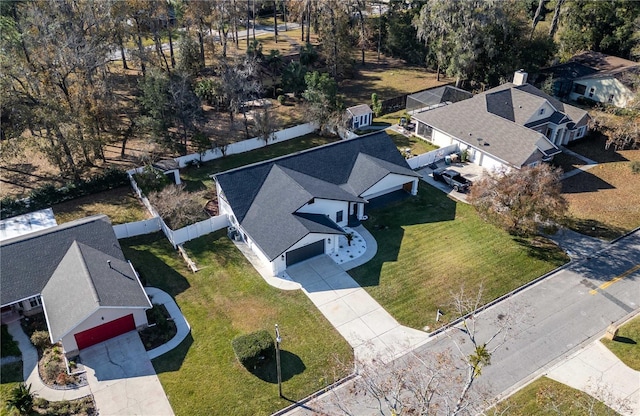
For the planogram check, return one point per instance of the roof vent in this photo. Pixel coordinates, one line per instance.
(109, 263)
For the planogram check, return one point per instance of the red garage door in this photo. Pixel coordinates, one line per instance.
(104, 332)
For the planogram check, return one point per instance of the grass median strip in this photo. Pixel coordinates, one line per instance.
(430, 246)
(626, 344)
(227, 298)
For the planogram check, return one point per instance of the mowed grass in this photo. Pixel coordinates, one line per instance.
(227, 298)
(120, 205)
(430, 246)
(10, 377)
(388, 78)
(546, 397)
(604, 201)
(626, 344)
(416, 145)
(199, 178)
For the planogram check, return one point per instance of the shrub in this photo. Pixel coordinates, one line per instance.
(635, 166)
(282, 99)
(254, 349)
(151, 180)
(21, 399)
(41, 339)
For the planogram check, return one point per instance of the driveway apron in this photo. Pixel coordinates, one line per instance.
(370, 330)
(122, 378)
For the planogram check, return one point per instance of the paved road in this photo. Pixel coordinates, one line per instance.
(559, 315)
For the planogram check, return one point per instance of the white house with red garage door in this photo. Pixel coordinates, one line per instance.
(294, 207)
(77, 274)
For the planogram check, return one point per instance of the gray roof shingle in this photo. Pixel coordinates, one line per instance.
(265, 196)
(29, 261)
(85, 280)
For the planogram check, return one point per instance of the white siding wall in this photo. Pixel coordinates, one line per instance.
(109, 314)
(603, 89)
(389, 183)
(490, 163)
(441, 139)
(548, 110)
(328, 206)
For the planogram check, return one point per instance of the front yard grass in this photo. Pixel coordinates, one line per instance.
(8, 346)
(545, 397)
(430, 246)
(604, 201)
(10, 377)
(227, 298)
(120, 205)
(199, 178)
(626, 345)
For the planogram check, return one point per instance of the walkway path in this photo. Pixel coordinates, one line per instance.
(160, 297)
(577, 246)
(599, 372)
(368, 328)
(589, 163)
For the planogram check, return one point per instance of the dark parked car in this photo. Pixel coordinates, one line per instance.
(452, 178)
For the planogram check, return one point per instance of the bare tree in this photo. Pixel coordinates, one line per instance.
(520, 200)
(266, 124)
(434, 382)
(556, 18)
(178, 207)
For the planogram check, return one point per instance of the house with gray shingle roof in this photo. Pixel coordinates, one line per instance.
(77, 274)
(595, 76)
(510, 126)
(294, 207)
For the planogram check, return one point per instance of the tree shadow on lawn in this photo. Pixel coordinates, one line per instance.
(584, 182)
(542, 249)
(386, 222)
(153, 270)
(172, 360)
(593, 147)
(194, 185)
(290, 364)
(11, 373)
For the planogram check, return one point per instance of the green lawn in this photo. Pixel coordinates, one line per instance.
(8, 346)
(227, 298)
(429, 246)
(626, 345)
(548, 397)
(10, 377)
(198, 178)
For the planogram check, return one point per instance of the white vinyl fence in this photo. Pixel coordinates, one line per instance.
(132, 229)
(247, 145)
(432, 156)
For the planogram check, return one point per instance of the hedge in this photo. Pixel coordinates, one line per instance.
(48, 195)
(254, 349)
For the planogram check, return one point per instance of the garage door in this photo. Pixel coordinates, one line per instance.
(306, 252)
(104, 332)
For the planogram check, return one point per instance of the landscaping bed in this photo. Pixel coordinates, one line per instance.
(161, 328)
(225, 299)
(434, 246)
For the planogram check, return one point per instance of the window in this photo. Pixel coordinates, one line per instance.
(579, 88)
(35, 301)
(591, 91)
(339, 216)
(541, 111)
(580, 132)
(611, 97)
(425, 131)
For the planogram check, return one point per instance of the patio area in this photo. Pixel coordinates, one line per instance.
(346, 252)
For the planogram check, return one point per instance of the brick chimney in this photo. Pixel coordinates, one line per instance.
(520, 77)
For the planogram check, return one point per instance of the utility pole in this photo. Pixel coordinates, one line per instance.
(278, 340)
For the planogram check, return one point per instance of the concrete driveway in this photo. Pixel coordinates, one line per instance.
(470, 171)
(368, 328)
(122, 378)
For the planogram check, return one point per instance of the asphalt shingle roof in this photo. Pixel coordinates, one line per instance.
(85, 280)
(359, 110)
(27, 262)
(265, 196)
(499, 118)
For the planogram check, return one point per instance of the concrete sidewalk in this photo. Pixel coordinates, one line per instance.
(589, 163)
(577, 246)
(368, 328)
(598, 372)
(160, 297)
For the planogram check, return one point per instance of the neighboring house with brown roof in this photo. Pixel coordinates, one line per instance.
(77, 274)
(510, 126)
(294, 207)
(596, 76)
